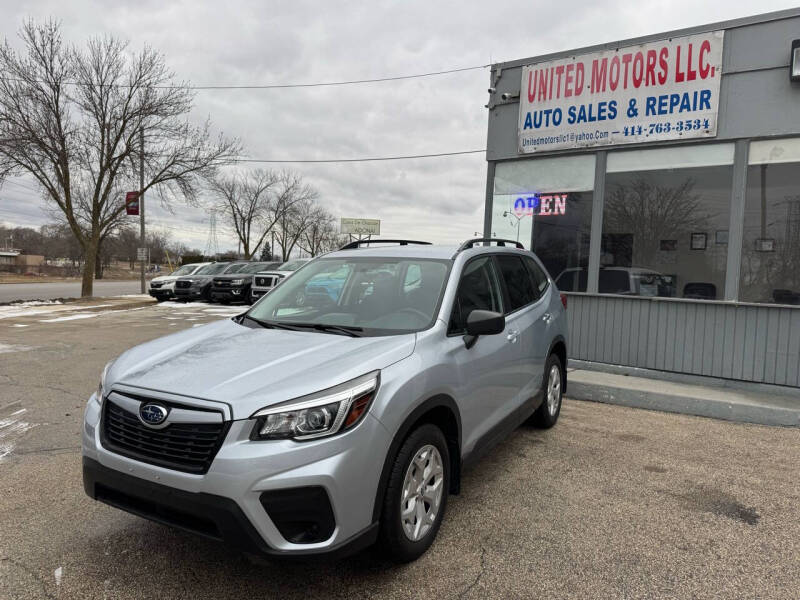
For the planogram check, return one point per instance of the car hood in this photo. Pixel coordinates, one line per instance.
(197, 277)
(252, 368)
(165, 278)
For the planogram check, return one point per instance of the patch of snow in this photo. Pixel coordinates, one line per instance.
(10, 348)
(69, 318)
(58, 573)
(37, 303)
(10, 431)
(143, 296)
(19, 325)
(22, 310)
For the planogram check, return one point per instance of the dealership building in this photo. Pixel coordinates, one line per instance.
(658, 179)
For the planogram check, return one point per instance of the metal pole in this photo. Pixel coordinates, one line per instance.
(141, 205)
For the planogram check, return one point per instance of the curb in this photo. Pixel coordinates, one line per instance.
(742, 412)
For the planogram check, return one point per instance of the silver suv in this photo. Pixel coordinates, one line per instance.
(341, 408)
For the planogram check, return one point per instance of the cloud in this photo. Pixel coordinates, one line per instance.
(253, 42)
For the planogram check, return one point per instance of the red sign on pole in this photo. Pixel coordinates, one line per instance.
(132, 203)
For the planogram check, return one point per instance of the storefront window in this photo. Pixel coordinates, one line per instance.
(546, 203)
(665, 222)
(771, 244)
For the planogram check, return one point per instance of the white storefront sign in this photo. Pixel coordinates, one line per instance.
(664, 90)
(361, 226)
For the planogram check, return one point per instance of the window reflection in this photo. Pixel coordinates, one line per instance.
(665, 232)
(771, 244)
(562, 241)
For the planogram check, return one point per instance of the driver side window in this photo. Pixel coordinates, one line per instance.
(478, 289)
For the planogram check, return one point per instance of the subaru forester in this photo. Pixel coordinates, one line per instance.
(341, 409)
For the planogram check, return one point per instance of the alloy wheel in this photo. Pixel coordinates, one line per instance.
(422, 493)
(553, 390)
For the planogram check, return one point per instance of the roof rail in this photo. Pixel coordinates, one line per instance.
(487, 241)
(358, 243)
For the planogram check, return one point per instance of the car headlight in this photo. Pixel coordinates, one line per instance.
(101, 387)
(321, 414)
(237, 281)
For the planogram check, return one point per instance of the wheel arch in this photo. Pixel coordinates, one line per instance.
(442, 411)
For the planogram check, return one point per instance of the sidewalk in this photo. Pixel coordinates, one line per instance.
(704, 397)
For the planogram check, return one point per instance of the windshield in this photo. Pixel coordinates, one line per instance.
(381, 296)
(184, 270)
(292, 265)
(253, 268)
(234, 268)
(212, 269)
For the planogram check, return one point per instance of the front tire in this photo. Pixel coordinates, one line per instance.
(552, 394)
(416, 494)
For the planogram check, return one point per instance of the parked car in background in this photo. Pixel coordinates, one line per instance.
(163, 287)
(235, 287)
(632, 281)
(264, 281)
(310, 424)
(198, 285)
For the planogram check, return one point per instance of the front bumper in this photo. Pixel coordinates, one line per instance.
(208, 515)
(161, 293)
(188, 293)
(227, 502)
(256, 292)
(232, 294)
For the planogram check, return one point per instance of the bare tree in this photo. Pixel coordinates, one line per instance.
(653, 212)
(293, 207)
(321, 235)
(245, 201)
(72, 118)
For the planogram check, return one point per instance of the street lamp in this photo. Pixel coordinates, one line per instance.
(518, 218)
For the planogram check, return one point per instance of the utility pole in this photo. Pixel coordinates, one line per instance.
(142, 243)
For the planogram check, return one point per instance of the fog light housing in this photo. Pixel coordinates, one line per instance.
(794, 61)
(302, 515)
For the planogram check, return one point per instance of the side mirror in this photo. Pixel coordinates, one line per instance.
(483, 322)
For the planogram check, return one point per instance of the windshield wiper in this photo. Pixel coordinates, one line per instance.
(271, 324)
(350, 330)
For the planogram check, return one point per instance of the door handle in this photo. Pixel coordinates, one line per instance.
(512, 335)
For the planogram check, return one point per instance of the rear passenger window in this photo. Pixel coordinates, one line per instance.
(518, 282)
(478, 289)
(539, 277)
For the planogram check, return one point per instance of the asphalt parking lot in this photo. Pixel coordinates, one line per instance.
(612, 503)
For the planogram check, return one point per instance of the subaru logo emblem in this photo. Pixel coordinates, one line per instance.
(153, 414)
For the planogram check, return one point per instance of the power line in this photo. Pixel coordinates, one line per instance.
(279, 86)
(363, 159)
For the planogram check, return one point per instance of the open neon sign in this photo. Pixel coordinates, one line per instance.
(541, 205)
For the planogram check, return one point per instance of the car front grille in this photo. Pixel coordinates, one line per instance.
(187, 447)
(268, 281)
(183, 284)
(222, 283)
(156, 284)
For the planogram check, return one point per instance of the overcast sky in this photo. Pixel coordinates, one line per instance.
(258, 42)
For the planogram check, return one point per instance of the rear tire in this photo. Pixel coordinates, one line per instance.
(416, 494)
(552, 394)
